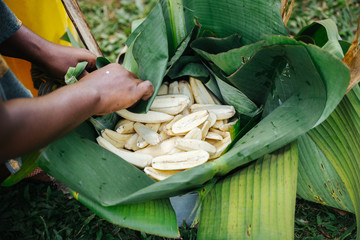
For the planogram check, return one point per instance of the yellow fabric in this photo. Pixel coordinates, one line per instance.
(48, 19)
(3, 67)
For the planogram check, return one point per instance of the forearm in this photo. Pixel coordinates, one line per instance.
(29, 124)
(53, 58)
(25, 44)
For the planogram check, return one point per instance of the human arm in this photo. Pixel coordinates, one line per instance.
(51, 57)
(29, 124)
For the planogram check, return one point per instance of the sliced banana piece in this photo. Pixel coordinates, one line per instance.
(125, 126)
(194, 133)
(141, 143)
(147, 134)
(170, 104)
(136, 159)
(200, 92)
(214, 136)
(149, 117)
(185, 112)
(131, 144)
(184, 88)
(221, 146)
(115, 138)
(168, 127)
(179, 161)
(162, 148)
(163, 90)
(212, 118)
(174, 87)
(221, 111)
(215, 99)
(194, 144)
(205, 129)
(159, 175)
(224, 134)
(190, 121)
(227, 126)
(153, 126)
(218, 124)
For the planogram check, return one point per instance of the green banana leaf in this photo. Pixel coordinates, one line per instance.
(248, 203)
(236, 98)
(324, 34)
(338, 139)
(249, 18)
(101, 62)
(177, 20)
(74, 156)
(153, 55)
(69, 37)
(153, 217)
(188, 66)
(318, 181)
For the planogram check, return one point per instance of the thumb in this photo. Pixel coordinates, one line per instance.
(144, 90)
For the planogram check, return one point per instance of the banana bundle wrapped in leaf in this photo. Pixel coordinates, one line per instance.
(185, 127)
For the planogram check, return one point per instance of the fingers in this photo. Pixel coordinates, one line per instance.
(83, 74)
(144, 90)
(86, 55)
(91, 66)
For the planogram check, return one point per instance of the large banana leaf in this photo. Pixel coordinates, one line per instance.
(298, 85)
(153, 55)
(338, 139)
(247, 204)
(96, 174)
(154, 217)
(318, 180)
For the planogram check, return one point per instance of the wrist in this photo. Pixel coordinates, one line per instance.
(90, 95)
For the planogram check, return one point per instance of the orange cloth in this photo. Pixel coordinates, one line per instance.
(48, 19)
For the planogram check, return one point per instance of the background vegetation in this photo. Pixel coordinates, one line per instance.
(40, 211)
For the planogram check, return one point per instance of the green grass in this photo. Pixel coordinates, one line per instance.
(315, 221)
(110, 21)
(344, 12)
(38, 211)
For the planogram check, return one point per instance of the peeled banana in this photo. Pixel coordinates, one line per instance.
(149, 117)
(180, 161)
(137, 159)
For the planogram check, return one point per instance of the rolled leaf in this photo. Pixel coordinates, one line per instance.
(324, 34)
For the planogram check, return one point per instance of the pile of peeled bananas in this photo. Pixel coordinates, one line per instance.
(185, 127)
